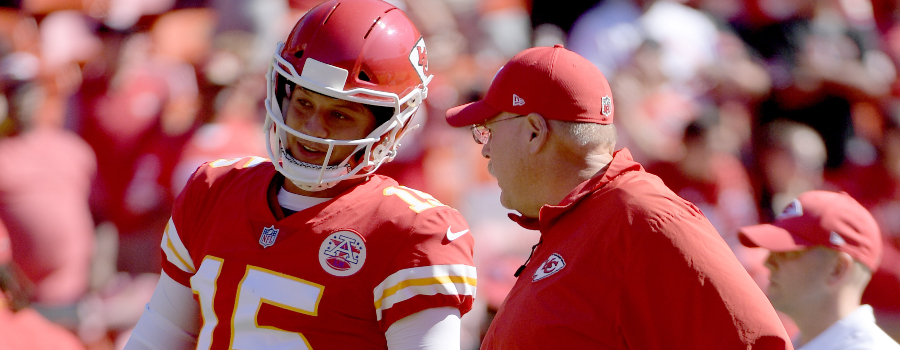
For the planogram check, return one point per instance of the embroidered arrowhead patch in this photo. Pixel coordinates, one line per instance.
(552, 265)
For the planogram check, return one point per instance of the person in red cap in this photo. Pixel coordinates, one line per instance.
(622, 262)
(823, 249)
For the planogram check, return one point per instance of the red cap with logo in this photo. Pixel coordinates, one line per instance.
(820, 218)
(551, 81)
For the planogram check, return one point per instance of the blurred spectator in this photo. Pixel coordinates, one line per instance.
(823, 56)
(611, 32)
(790, 159)
(608, 34)
(45, 169)
(665, 58)
(23, 328)
(716, 182)
(138, 126)
(654, 111)
(236, 130)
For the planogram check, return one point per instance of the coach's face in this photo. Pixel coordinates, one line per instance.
(507, 157)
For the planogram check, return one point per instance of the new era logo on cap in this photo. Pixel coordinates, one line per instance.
(793, 210)
(836, 239)
(518, 101)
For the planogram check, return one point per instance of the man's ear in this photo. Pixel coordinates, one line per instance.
(539, 132)
(841, 268)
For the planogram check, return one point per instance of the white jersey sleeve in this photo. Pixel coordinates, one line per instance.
(429, 329)
(170, 320)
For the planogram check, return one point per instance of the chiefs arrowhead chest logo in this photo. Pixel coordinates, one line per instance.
(552, 265)
(342, 253)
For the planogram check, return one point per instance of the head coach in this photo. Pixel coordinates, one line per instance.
(623, 262)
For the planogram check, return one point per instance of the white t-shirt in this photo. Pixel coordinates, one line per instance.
(856, 331)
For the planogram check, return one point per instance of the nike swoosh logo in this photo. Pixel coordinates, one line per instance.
(454, 235)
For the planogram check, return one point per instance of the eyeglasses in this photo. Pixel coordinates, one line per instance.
(482, 134)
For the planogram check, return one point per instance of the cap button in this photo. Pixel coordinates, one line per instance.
(558, 45)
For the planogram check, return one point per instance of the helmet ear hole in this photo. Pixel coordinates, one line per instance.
(298, 54)
(382, 114)
(364, 77)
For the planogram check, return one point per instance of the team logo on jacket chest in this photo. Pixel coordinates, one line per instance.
(552, 265)
(268, 236)
(342, 253)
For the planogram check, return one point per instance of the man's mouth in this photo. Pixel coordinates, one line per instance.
(308, 149)
(307, 153)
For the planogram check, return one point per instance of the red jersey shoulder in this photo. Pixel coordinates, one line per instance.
(412, 209)
(220, 172)
(232, 179)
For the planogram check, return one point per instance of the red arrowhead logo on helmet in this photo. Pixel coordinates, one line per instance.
(419, 59)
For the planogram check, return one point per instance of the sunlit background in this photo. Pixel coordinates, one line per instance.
(107, 106)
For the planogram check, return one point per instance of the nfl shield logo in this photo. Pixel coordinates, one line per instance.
(606, 105)
(268, 236)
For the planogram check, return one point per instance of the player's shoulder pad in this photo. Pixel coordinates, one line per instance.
(421, 213)
(411, 201)
(221, 169)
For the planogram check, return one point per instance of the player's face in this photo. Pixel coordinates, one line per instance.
(325, 117)
(797, 278)
(506, 157)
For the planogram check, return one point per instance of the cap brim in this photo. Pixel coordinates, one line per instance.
(469, 114)
(771, 237)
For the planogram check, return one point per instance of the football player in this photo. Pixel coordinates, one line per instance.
(311, 249)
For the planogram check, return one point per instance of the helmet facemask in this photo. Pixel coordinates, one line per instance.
(378, 147)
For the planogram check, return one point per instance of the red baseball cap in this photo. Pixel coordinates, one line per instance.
(820, 218)
(551, 81)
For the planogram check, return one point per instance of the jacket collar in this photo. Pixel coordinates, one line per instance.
(622, 163)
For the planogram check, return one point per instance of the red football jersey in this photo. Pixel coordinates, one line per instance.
(337, 274)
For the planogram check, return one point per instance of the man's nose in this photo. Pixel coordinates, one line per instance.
(314, 124)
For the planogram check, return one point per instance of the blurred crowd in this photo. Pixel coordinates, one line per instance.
(107, 106)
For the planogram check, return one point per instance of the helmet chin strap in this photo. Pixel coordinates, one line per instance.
(297, 166)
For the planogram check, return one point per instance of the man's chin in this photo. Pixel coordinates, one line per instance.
(505, 201)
